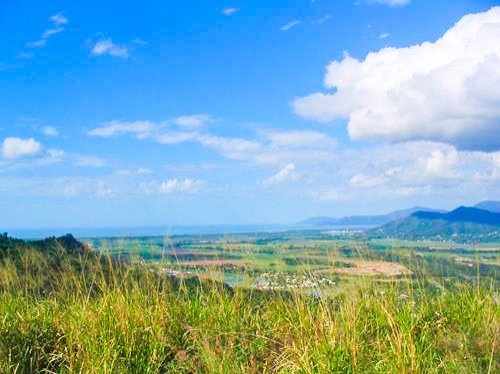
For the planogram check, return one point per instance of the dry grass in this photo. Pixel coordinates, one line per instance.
(98, 318)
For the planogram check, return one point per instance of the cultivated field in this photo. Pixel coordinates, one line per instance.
(255, 260)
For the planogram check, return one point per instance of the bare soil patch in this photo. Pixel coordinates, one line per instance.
(369, 268)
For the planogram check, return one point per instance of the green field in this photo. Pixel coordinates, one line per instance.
(303, 259)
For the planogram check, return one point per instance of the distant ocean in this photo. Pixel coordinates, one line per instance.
(148, 231)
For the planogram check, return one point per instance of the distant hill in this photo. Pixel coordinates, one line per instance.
(374, 220)
(492, 206)
(463, 223)
(463, 214)
(319, 221)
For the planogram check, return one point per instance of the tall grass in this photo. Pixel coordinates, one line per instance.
(103, 317)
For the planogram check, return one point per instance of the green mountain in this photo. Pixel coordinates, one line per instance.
(463, 223)
(365, 220)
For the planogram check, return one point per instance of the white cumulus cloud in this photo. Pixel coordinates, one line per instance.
(13, 147)
(445, 91)
(107, 47)
(440, 163)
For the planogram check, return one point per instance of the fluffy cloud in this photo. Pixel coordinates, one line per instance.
(491, 170)
(440, 91)
(412, 168)
(107, 47)
(285, 174)
(13, 148)
(407, 163)
(415, 169)
(440, 163)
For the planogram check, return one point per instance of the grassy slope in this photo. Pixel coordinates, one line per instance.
(96, 316)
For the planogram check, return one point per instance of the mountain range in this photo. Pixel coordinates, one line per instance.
(478, 223)
(382, 219)
(365, 220)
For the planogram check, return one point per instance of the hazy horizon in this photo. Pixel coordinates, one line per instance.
(167, 229)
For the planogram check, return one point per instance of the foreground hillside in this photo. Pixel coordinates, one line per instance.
(88, 314)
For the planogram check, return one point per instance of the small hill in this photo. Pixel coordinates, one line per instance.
(463, 223)
(491, 205)
(364, 220)
(67, 245)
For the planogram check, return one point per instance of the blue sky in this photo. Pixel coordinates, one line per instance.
(181, 112)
